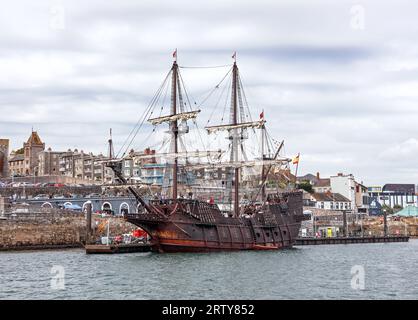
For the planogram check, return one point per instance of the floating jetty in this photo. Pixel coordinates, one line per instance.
(117, 248)
(348, 240)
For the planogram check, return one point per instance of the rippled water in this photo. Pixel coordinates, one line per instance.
(305, 272)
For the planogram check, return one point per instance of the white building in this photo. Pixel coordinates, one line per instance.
(330, 201)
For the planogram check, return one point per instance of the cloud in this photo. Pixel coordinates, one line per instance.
(344, 98)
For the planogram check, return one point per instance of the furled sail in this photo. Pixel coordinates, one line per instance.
(255, 124)
(178, 116)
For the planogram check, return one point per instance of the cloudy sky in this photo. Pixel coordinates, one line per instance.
(338, 80)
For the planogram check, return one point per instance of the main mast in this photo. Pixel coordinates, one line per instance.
(235, 137)
(174, 127)
(263, 187)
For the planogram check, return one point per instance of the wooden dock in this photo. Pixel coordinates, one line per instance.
(349, 240)
(117, 248)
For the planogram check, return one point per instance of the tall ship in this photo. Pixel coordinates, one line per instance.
(178, 223)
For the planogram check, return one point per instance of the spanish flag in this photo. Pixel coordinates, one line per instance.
(295, 160)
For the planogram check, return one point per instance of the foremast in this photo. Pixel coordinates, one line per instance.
(235, 137)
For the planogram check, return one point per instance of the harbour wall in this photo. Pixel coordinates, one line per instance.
(55, 230)
(29, 192)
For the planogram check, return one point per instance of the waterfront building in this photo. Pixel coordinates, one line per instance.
(319, 185)
(4, 156)
(153, 173)
(361, 198)
(131, 165)
(49, 163)
(327, 201)
(85, 166)
(32, 148)
(392, 195)
(356, 192)
(322, 185)
(25, 162)
(17, 164)
(343, 184)
(145, 167)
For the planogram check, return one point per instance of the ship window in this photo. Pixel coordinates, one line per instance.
(258, 235)
(284, 231)
(275, 233)
(268, 234)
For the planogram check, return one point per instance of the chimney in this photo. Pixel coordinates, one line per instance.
(340, 174)
(317, 175)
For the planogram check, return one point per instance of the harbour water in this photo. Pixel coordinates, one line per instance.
(305, 272)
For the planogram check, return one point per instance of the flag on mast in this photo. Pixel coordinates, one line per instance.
(262, 115)
(295, 160)
(175, 54)
(234, 56)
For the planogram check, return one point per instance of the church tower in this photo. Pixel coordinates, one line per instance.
(33, 147)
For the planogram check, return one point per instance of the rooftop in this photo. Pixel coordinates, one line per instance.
(328, 196)
(323, 182)
(18, 157)
(34, 138)
(399, 187)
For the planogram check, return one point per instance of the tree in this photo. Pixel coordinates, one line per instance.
(388, 209)
(305, 185)
(20, 151)
(397, 208)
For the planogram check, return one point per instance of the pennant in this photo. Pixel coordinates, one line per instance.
(262, 115)
(295, 160)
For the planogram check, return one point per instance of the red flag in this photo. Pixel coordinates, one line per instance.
(262, 115)
(175, 54)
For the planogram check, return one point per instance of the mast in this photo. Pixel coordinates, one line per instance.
(111, 151)
(263, 186)
(174, 127)
(235, 138)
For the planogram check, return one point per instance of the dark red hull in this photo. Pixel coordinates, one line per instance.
(193, 226)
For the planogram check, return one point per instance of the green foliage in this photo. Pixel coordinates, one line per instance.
(388, 209)
(397, 208)
(305, 185)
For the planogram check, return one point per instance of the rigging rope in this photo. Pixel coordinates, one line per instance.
(141, 120)
(190, 105)
(203, 67)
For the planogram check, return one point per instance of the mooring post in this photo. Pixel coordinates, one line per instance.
(88, 220)
(345, 223)
(385, 224)
(2, 206)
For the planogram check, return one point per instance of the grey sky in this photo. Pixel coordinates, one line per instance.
(340, 90)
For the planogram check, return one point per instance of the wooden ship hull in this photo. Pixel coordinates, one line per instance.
(194, 226)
